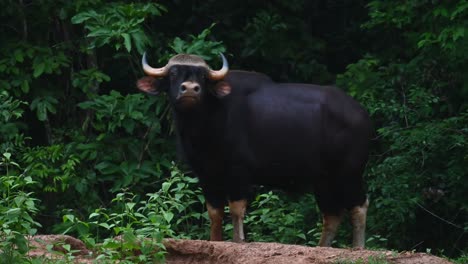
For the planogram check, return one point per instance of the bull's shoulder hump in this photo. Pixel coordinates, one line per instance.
(235, 75)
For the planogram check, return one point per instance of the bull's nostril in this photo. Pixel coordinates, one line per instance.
(183, 88)
(196, 89)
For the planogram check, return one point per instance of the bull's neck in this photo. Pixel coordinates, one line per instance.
(192, 121)
(197, 123)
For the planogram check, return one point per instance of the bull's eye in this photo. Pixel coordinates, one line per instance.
(173, 73)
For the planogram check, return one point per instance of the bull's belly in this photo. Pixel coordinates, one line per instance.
(285, 176)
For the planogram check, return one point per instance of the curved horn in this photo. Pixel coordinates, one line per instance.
(155, 72)
(218, 75)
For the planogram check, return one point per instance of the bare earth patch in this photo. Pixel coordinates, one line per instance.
(207, 252)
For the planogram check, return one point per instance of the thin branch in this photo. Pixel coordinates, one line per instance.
(438, 217)
(145, 148)
(458, 131)
(404, 105)
(413, 247)
(25, 22)
(395, 130)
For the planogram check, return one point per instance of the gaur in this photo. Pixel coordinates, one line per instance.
(238, 129)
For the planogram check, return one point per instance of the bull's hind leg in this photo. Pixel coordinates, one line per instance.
(216, 217)
(350, 190)
(358, 219)
(330, 226)
(237, 209)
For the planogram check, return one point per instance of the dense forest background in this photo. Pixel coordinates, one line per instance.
(82, 152)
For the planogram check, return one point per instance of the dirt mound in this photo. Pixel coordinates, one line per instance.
(196, 251)
(207, 252)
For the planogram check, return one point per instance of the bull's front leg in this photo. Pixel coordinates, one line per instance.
(238, 190)
(216, 217)
(237, 210)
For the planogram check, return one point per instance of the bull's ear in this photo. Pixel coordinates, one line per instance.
(222, 89)
(149, 85)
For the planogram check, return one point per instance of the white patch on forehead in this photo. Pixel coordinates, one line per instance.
(187, 59)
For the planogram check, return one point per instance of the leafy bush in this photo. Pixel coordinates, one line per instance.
(118, 24)
(17, 209)
(10, 111)
(269, 209)
(418, 164)
(133, 227)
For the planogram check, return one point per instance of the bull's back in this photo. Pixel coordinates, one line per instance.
(290, 132)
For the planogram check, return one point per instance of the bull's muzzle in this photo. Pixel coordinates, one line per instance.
(192, 88)
(189, 95)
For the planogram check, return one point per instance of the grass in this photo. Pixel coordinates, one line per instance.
(370, 260)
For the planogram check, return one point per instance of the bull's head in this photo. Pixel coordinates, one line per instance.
(187, 79)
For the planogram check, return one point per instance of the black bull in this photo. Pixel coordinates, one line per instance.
(239, 129)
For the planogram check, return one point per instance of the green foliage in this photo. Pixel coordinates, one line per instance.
(18, 205)
(23, 63)
(133, 227)
(118, 25)
(419, 165)
(181, 203)
(370, 260)
(269, 28)
(10, 108)
(52, 166)
(17, 209)
(87, 81)
(462, 259)
(123, 119)
(10, 111)
(61, 249)
(266, 38)
(139, 225)
(118, 111)
(198, 45)
(376, 242)
(43, 106)
(269, 209)
(447, 23)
